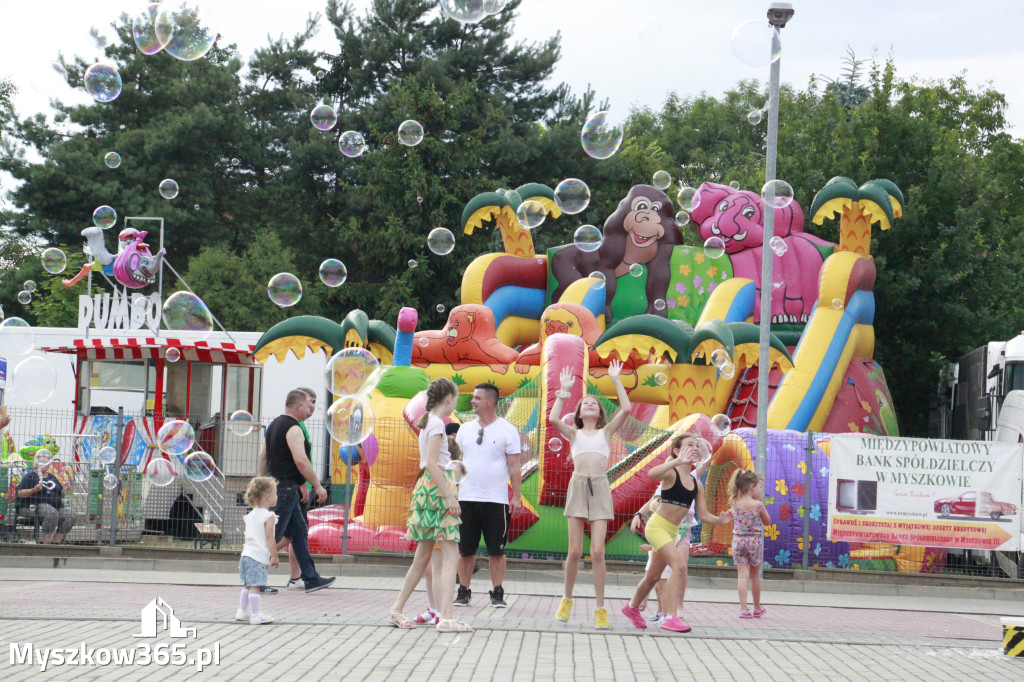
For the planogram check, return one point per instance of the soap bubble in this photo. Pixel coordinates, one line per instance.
(351, 419)
(187, 31)
(323, 117)
(587, 238)
(464, 11)
(754, 117)
(160, 472)
(714, 247)
(727, 371)
(16, 337)
(512, 196)
(661, 378)
(837, 303)
(112, 159)
(440, 307)
(333, 272)
(682, 218)
(756, 43)
(636, 270)
(144, 30)
(555, 445)
(410, 133)
(688, 198)
(419, 200)
(531, 214)
(168, 188)
(600, 136)
(734, 184)
(651, 32)
(196, 207)
(423, 342)
(721, 425)
(184, 311)
(284, 289)
(172, 355)
(494, 6)
(352, 371)
(661, 179)
(572, 196)
(104, 217)
(320, 75)
(24, 297)
(35, 380)
(29, 286)
(107, 455)
(778, 246)
(599, 276)
(235, 162)
(110, 481)
(351, 143)
(241, 423)
(659, 304)
(199, 467)
(412, 264)
(49, 78)
(719, 357)
(103, 82)
(458, 469)
(176, 437)
(441, 241)
(777, 194)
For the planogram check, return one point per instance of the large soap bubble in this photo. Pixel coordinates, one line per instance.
(600, 279)
(109, 481)
(30, 285)
(104, 217)
(351, 419)
(756, 43)
(572, 196)
(49, 78)
(54, 260)
(176, 437)
(494, 6)
(778, 246)
(587, 238)
(103, 82)
(107, 455)
(721, 425)
(662, 179)
(351, 143)
(284, 289)
(144, 30)
(601, 137)
(531, 214)
(188, 31)
(777, 194)
(34, 380)
(16, 337)
(241, 423)
(714, 247)
(719, 357)
(199, 466)
(333, 272)
(352, 371)
(184, 311)
(688, 198)
(168, 188)
(323, 117)
(410, 133)
(465, 11)
(441, 241)
(160, 472)
(24, 297)
(112, 159)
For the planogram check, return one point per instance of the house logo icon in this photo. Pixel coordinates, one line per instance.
(158, 615)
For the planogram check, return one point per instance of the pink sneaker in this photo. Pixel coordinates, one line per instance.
(634, 615)
(674, 624)
(760, 612)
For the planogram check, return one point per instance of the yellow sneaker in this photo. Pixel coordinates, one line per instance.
(601, 619)
(564, 610)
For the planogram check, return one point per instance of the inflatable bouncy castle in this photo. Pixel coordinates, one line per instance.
(683, 320)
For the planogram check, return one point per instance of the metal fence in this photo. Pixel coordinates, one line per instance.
(373, 494)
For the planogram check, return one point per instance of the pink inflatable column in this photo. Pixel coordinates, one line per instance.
(560, 350)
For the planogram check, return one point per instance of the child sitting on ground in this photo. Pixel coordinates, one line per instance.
(261, 495)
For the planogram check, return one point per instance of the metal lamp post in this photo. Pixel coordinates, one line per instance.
(779, 15)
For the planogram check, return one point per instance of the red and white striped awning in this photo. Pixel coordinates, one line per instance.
(149, 348)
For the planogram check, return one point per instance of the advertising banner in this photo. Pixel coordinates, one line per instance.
(925, 492)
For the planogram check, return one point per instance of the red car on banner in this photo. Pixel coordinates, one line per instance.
(973, 503)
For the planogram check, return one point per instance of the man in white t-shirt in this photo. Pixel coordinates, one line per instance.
(490, 449)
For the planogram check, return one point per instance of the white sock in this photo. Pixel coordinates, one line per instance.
(254, 604)
(243, 600)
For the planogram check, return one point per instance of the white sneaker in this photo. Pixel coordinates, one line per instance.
(260, 619)
(295, 584)
(241, 616)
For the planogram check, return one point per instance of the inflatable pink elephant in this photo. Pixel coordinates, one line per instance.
(737, 218)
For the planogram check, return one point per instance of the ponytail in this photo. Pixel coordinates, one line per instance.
(438, 390)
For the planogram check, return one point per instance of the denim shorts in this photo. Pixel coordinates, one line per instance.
(252, 572)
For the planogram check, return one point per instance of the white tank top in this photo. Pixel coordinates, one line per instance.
(595, 442)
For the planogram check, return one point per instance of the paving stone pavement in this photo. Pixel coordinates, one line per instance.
(342, 633)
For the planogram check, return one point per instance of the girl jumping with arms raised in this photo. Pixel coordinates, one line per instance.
(589, 497)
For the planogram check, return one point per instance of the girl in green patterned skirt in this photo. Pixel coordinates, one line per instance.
(434, 512)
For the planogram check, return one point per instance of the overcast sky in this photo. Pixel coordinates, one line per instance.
(685, 45)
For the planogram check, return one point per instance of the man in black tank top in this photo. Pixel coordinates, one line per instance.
(285, 456)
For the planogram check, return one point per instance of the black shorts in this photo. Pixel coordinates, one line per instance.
(490, 518)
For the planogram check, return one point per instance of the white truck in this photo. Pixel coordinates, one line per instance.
(981, 397)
